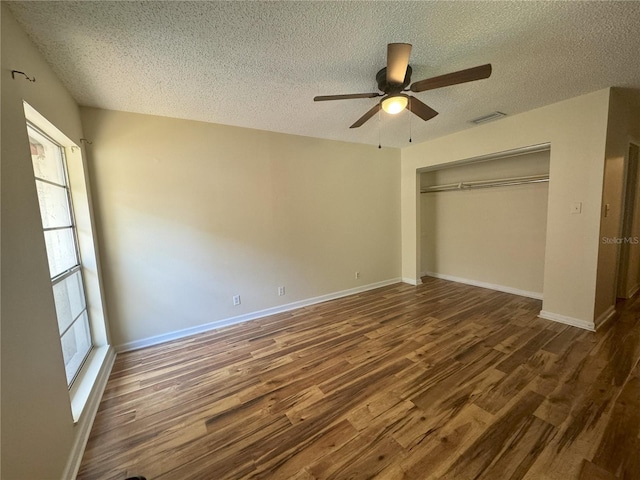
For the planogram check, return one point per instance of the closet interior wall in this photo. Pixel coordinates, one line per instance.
(493, 237)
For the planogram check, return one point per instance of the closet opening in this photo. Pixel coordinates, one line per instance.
(483, 220)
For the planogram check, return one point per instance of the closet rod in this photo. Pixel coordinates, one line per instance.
(503, 182)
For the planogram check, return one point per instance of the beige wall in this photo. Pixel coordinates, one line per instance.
(623, 127)
(193, 213)
(39, 438)
(492, 236)
(576, 130)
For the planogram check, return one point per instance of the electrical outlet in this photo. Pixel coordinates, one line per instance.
(280, 291)
(357, 275)
(236, 300)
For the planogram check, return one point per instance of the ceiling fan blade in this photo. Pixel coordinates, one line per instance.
(366, 116)
(425, 112)
(462, 76)
(397, 61)
(322, 98)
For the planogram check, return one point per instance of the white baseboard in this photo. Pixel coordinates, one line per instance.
(574, 322)
(605, 317)
(225, 322)
(85, 423)
(412, 281)
(490, 286)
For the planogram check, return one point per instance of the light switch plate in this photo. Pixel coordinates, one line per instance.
(576, 208)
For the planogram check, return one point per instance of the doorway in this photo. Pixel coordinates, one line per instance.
(628, 277)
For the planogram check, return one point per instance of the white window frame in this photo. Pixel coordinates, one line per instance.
(77, 267)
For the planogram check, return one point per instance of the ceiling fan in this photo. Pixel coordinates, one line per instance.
(394, 79)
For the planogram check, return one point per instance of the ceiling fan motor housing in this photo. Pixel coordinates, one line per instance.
(392, 88)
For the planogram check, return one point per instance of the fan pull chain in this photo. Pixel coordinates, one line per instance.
(375, 87)
(379, 128)
(410, 119)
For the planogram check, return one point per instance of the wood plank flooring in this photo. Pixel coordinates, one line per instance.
(440, 381)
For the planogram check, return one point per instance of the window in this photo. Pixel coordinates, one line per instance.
(56, 211)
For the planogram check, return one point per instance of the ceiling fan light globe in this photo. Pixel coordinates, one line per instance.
(395, 104)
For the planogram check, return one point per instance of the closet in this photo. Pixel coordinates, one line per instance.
(483, 221)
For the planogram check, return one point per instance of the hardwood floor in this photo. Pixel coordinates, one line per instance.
(440, 381)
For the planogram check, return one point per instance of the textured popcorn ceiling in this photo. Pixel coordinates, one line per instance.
(259, 64)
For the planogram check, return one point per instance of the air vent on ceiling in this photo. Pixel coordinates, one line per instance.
(488, 118)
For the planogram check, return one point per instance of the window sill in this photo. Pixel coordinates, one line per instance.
(91, 380)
